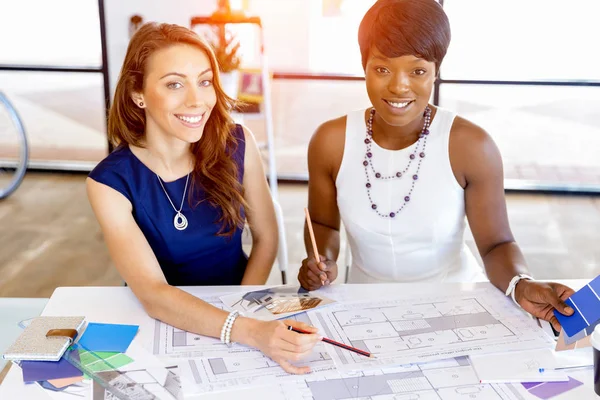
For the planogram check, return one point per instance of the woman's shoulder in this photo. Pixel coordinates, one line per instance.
(326, 147)
(472, 150)
(468, 134)
(117, 170)
(119, 161)
(329, 135)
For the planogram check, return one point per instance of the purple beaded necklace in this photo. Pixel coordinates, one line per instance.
(368, 162)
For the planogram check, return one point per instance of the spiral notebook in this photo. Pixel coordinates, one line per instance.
(34, 344)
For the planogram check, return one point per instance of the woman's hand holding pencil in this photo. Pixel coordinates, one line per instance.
(316, 270)
(313, 274)
(338, 344)
(282, 345)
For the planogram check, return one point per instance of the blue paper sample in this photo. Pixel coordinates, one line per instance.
(586, 304)
(108, 337)
(43, 370)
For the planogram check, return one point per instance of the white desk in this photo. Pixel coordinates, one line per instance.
(119, 305)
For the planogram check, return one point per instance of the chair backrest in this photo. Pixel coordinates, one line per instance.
(347, 258)
(282, 253)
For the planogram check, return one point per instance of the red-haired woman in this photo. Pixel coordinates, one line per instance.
(172, 198)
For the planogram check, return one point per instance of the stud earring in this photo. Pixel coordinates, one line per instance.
(141, 104)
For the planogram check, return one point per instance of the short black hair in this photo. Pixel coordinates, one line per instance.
(405, 27)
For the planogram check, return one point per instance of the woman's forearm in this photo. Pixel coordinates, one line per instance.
(260, 262)
(189, 313)
(503, 262)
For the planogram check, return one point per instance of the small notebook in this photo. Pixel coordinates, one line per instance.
(33, 344)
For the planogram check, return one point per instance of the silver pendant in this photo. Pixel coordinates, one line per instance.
(180, 221)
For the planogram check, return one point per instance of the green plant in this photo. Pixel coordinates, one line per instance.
(226, 47)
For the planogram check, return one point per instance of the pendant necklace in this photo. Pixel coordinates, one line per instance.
(180, 221)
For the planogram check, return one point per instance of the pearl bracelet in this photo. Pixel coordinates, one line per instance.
(226, 329)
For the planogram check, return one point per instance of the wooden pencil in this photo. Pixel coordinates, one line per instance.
(313, 240)
(334, 343)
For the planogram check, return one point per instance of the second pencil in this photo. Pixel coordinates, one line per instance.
(334, 343)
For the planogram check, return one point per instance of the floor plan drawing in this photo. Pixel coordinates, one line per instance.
(452, 379)
(214, 374)
(427, 329)
(171, 342)
(207, 374)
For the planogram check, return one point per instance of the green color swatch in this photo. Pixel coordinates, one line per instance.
(103, 360)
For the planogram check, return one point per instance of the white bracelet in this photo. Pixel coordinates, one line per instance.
(510, 291)
(224, 328)
(227, 325)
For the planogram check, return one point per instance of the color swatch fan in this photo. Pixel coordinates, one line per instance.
(586, 304)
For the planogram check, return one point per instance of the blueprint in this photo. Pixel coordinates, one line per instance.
(449, 379)
(201, 375)
(426, 329)
(208, 374)
(452, 379)
(171, 342)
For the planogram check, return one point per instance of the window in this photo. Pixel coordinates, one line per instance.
(523, 40)
(39, 32)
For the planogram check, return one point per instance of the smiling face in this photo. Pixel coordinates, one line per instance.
(399, 88)
(178, 94)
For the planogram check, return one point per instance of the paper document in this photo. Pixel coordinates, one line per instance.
(203, 375)
(576, 358)
(171, 342)
(518, 366)
(427, 328)
(451, 379)
(213, 374)
(278, 302)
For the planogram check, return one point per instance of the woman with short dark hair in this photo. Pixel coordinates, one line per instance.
(403, 175)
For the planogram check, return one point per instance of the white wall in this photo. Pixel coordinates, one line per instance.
(118, 13)
(286, 24)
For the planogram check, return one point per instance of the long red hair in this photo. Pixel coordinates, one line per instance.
(215, 171)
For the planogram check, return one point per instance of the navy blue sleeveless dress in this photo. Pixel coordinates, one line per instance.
(196, 255)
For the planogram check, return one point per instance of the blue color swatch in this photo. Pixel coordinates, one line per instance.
(586, 303)
(43, 370)
(108, 337)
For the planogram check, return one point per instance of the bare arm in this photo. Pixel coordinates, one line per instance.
(138, 265)
(475, 155)
(476, 158)
(260, 215)
(325, 152)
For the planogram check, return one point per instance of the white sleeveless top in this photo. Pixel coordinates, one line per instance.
(424, 241)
